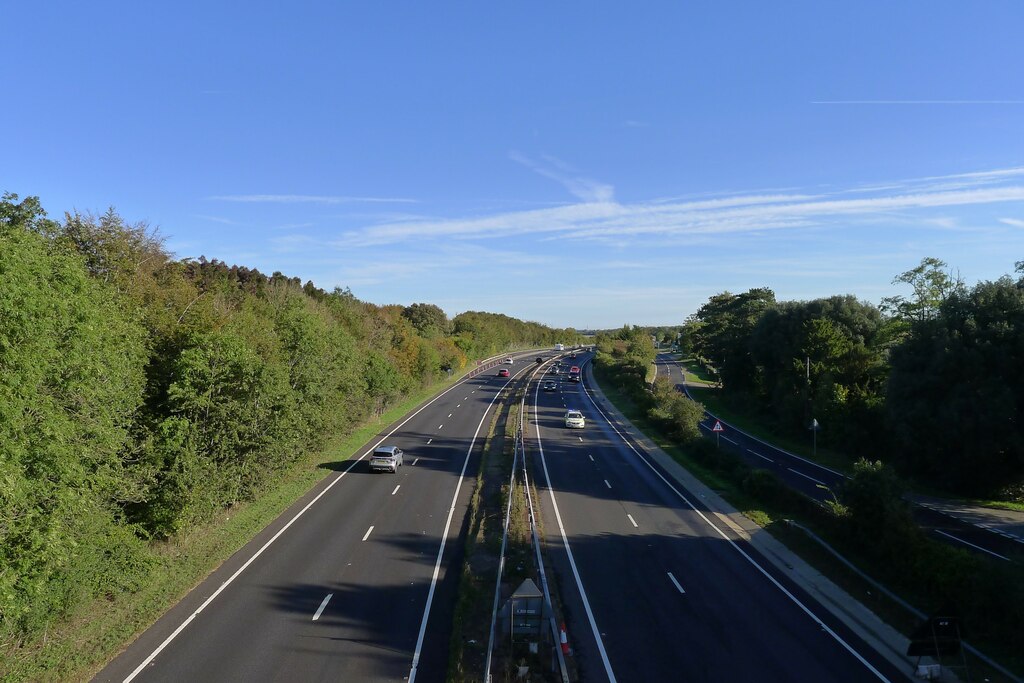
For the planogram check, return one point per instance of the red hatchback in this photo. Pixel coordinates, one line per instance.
(503, 372)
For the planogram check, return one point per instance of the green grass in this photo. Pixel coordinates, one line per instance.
(695, 372)
(77, 648)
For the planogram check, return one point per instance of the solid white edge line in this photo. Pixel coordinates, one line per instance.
(729, 440)
(368, 532)
(633, 521)
(806, 476)
(825, 627)
(323, 605)
(444, 538)
(396, 489)
(960, 540)
(568, 551)
(238, 572)
(676, 583)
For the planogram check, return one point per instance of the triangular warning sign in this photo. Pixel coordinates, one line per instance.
(718, 427)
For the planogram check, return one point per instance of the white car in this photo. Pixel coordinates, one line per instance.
(574, 419)
(509, 361)
(387, 459)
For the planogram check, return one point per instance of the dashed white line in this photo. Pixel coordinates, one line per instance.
(458, 405)
(581, 439)
(806, 476)
(440, 426)
(396, 489)
(367, 533)
(676, 583)
(591, 457)
(760, 456)
(429, 440)
(633, 521)
(607, 484)
(320, 609)
(449, 414)
(960, 540)
(415, 461)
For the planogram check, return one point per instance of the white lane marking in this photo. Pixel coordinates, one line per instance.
(367, 533)
(465, 398)
(633, 521)
(444, 539)
(449, 414)
(569, 555)
(591, 457)
(581, 439)
(458, 405)
(984, 550)
(440, 426)
(320, 609)
(760, 456)
(429, 440)
(415, 461)
(676, 583)
(806, 476)
(607, 484)
(238, 572)
(396, 489)
(725, 438)
(733, 544)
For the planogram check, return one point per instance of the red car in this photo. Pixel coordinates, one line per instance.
(503, 372)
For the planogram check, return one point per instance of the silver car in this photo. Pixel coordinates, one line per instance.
(386, 459)
(574, 419)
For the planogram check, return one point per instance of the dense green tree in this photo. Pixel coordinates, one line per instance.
(954, 398)
(428, 319)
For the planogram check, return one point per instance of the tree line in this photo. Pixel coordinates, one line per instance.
(140, 394)
(930, 383)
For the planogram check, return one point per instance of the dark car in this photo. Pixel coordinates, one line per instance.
(503, 372)
(539, 360)
(550, 386)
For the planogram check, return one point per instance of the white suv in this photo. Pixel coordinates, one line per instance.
(574, 419)
(386, 458)
(509, 361)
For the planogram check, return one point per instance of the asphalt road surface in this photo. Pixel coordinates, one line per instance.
(653, 590)
(356, 582)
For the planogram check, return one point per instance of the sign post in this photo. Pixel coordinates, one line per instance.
(718, 429)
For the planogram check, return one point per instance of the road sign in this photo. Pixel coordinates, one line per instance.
(718, 427)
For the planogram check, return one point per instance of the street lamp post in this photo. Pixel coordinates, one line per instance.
(814, 436)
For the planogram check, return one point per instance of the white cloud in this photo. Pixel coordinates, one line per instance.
(753, 214)
(308, 199)
(1015, 222)
(585, 189)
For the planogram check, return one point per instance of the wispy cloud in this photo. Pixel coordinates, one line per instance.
(917, 102)
(582, 188)
(1015, 222)
(218, 219)
(308, 199)
(754, 214)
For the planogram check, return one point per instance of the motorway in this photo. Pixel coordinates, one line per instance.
(653, 589)
(809, 478)
(355, 582)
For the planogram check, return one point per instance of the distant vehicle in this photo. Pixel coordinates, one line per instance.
(559, 347)
(574, 374)
(509, 361)
(573, 355)
(539, 360)
(550, 386)
(574, 419)
(504, 372)
(386, 459)
(553, 369)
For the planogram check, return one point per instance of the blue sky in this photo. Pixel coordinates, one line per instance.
(582, 164)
